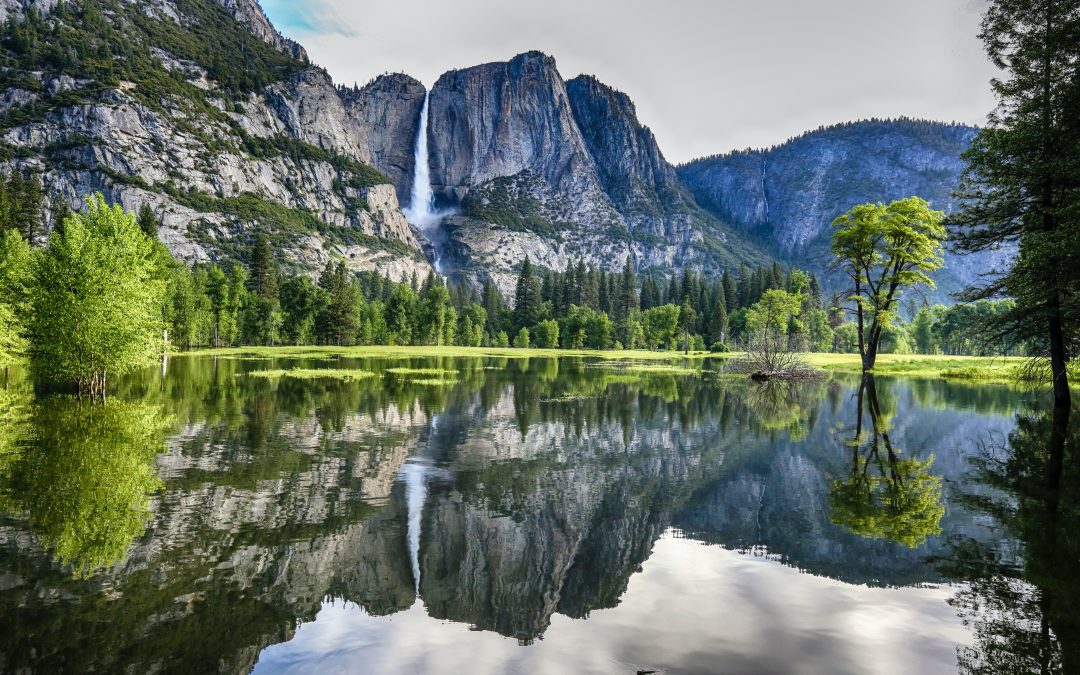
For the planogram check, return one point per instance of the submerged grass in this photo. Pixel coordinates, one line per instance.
(313, 374)
(437, 372)
(435, 382)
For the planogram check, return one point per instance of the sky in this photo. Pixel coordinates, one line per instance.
(707, 76)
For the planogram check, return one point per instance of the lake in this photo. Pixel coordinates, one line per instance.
(534, 515)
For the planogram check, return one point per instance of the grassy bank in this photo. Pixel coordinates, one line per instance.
(436, 352)
(969, 368)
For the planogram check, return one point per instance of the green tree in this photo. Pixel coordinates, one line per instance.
(521, 340)
(1021, 182)
(687, 318)
(147, 221)
(96, 300)
(262, 315)
(401, 311)
(301, 303)
(16, 261)
(772, 314)
(339, 319)
(923, 331)
(546, 334)
(884, 250)
(526, 297)
(435, 309)
(661, 325)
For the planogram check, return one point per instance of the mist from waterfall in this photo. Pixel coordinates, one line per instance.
(421, 212)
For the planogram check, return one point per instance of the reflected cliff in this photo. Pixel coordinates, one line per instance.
(503, 495)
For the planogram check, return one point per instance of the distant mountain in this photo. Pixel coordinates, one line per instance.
(785, 198)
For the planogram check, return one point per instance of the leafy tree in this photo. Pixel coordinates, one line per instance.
(400, 312)
(687, 317)
(661, 325)
(1021, 182)
(96, 300)
(521, 340)
(923, 330)
(884, 250)
(434, 312)
(773, 313)
(16, 261)
(546, 334)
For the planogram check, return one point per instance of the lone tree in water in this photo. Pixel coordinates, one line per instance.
(1022, 183)
(96, 300)
(884, 250)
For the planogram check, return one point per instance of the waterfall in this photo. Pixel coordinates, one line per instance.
(415, 496)
(421, 212)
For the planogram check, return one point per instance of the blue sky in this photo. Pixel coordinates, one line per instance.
(707, 75)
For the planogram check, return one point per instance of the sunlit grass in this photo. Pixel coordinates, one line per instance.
(434, 382)
(312, 374)
(437, 372)
(385, 351)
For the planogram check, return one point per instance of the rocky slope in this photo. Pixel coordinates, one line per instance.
(786, 197)
(526, 158)
(218, 145)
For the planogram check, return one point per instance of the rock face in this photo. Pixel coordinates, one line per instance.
(525, 157)
(218, 150)
(790, 194)
(385, 115)
(251, 16)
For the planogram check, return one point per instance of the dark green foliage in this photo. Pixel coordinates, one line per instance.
(1022, 182)
(526, 298)
(147, 221)
(21, 206)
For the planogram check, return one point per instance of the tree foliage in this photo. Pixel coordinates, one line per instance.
(96, 300)
(883, 250)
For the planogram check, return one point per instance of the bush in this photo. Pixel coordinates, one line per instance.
(719, 348)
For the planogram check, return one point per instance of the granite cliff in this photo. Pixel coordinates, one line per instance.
(217, 144)
(558, 171)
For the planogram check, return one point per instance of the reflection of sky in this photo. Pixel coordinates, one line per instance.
(694, 608)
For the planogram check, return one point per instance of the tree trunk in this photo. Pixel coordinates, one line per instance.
(1058, 357)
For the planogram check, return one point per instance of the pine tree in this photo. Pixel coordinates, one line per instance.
(147, 221)
(628, 298)
(1021, 183)
(731, 291)
(526, 297)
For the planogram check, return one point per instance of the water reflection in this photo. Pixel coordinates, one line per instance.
(1023, 591)
(885, 496)
(506, 495)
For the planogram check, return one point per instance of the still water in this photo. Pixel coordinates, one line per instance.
(490, 515)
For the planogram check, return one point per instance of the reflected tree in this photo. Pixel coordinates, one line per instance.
(1023, 589)
(885, 496)
(84, 477)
